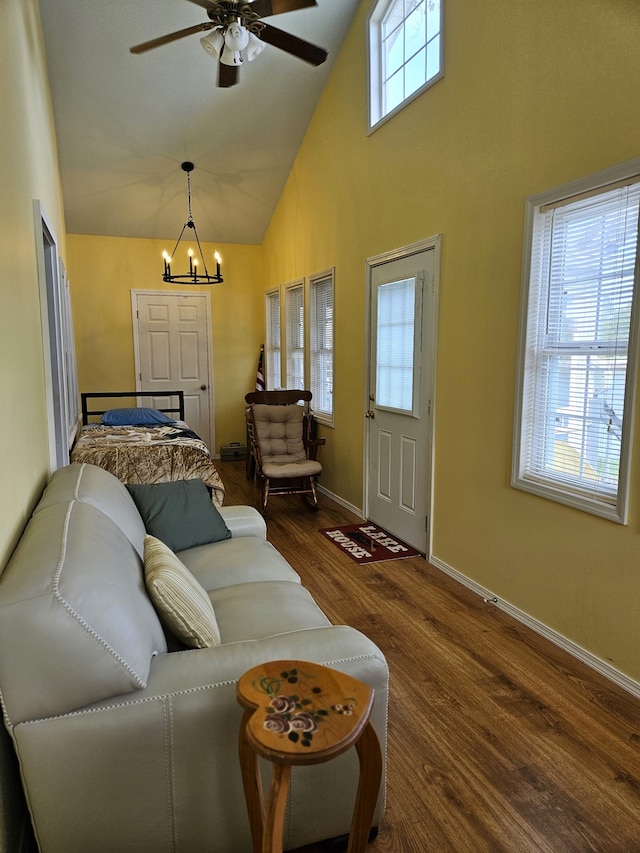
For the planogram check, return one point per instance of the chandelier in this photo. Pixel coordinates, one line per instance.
(195, 275)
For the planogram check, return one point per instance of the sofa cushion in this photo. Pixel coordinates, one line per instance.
(181, 602)
(98, 487)
(180, 513)
(237, 560)
(254, 611)
(75, 614)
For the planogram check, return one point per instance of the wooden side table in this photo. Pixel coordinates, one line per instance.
(297, 712)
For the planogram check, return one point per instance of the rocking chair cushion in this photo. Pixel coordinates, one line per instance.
(279, 431)
(286, 468)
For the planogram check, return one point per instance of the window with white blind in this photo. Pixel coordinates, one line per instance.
(321, 349)
(579, 344)
(272, 347)
(405, 53)
(294, 312)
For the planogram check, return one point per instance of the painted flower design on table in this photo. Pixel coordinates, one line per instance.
(298, 715)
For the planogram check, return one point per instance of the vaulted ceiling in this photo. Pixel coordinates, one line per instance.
(125, 122)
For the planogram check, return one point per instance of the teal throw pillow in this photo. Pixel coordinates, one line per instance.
(179, 513)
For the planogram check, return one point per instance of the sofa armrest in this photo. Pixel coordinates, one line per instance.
(332, 645)
(244, 521)
(162, 764)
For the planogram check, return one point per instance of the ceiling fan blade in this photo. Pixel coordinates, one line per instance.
(149, 45)
(294, 45)
(265, 8)
(227, 75)
(204, 4)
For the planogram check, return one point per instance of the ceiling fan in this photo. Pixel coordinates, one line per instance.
(240, 33)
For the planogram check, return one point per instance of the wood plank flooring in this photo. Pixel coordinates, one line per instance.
(498, 740)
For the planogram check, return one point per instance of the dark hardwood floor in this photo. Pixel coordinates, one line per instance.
(498, 740)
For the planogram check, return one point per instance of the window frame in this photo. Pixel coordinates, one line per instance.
(375, 61)
(273, 354)
(58, 340)
(296, 287)
(314, 282)
(614, 507)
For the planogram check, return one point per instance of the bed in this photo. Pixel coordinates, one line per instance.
(140, 444)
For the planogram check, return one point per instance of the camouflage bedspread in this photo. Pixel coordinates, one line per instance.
(141, 454)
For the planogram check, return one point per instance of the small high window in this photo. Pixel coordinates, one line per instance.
(405, 53)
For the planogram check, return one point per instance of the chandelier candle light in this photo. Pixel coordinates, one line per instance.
(193, 276)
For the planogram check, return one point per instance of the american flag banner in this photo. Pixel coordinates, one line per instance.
(260, 373)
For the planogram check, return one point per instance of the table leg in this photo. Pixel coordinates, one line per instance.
(370, 759)
(252, 783)
(276, 806)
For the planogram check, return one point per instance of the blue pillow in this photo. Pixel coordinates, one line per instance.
(135, 417)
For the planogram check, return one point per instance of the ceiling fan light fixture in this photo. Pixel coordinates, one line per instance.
(236, 37)
(231, 57)
(213, 43)
(254, 48)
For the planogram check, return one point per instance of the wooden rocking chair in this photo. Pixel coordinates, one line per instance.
(282, 449)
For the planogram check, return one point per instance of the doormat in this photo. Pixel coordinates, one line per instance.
(367, 543)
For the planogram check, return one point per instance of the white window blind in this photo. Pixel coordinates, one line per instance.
(272, 345)
(578, 377)
(321, 355)
(395, 344)
(295, 336)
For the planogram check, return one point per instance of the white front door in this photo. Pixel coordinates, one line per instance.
(399, 414)
(173, 352)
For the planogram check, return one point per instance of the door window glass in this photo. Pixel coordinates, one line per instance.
(395, 345)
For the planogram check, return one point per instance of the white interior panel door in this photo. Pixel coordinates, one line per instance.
(399, 412)
(173, 352)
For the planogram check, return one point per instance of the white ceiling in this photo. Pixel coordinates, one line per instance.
(125, 123)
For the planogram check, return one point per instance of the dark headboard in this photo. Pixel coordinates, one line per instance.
(86, 412)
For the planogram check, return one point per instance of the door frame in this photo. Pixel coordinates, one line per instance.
(429, 354)
(210, 439)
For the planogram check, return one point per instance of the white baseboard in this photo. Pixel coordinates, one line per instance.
(591, 660)
(354, 509)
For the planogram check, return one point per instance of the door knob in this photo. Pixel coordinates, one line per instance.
(203, 387)
(370, 415)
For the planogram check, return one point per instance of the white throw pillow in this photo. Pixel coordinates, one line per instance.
(181, 602)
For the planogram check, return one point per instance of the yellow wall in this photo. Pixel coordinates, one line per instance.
(102, 273)
(28, 170)
(534, 95)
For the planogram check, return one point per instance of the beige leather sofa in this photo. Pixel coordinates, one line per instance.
(123, 744)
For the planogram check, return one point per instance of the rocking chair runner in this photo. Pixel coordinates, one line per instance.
(283, 451)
